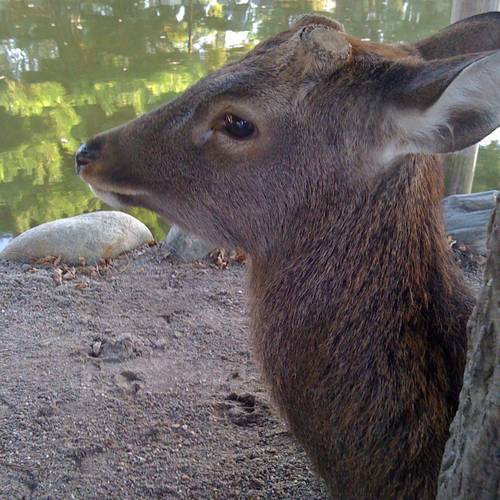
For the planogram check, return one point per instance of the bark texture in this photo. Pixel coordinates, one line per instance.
(471, 462)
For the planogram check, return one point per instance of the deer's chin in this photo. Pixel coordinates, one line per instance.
(114, 199)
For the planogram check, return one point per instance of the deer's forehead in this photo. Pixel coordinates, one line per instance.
(233, 82)
(246, 78)
(283, 58)
(275, 65)
(276, 62)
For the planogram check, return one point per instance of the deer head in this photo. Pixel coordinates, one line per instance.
(312, 114)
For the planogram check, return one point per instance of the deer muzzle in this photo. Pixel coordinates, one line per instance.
(108, 180)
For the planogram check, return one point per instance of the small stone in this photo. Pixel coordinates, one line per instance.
(257, 484)
(96, 348)
(186, 246)
(47, 410)
(123, 348)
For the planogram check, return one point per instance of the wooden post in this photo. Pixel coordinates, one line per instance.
(190, 26)
(460, 167)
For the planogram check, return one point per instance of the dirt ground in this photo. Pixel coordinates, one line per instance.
(137, 382)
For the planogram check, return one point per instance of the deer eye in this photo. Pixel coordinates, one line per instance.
(238, 127)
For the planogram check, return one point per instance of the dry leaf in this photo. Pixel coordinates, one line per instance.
(218, 257)
(238, 255)
(221, 258)
(47, 260)
(70, 274)
(57, 276)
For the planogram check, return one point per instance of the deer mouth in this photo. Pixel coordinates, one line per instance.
(114, 198)
(110, 183)
(116, 194)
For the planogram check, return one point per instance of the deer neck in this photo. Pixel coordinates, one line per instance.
(376, 266)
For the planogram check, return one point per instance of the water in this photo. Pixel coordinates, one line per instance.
(69, 69)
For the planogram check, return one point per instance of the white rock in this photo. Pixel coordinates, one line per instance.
(186, 246)
(91, 236)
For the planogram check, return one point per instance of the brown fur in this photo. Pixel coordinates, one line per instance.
(373, 306)
(358, 311)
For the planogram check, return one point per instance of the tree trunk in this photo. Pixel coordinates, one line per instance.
(460, 166)
(471, 466)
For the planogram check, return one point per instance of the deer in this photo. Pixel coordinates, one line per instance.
(318, 153)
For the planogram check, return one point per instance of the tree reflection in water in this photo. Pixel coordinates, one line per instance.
(70, 69)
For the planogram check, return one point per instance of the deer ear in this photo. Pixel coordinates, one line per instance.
(321, 50)
(445, 105)
(475, 34)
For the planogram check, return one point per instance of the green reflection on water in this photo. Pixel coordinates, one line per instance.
(71, 69)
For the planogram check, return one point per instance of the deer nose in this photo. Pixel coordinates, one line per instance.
(85, 154)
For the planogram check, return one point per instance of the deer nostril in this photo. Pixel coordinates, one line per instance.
(85, 154)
